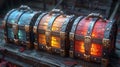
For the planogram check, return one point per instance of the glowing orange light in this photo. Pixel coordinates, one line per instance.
(55, 42)
(55, 28)
(79, 46)
(93, 35)
(42, 39)
(96, 50)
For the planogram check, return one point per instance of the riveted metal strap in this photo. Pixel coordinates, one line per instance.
(71, 53)
(5, 21)
(27, 28)
(48, 31)
(74, 26)
(108, 29)
(36, 30)
(21, 27)
(15, 27)
(106, 42)
(88, 38)
(55, 33)
(9, 25)
(39, 19)
(72, 33)
(40, 31)
(18, 17)
(62, 52)
(106, 39)
(63, 31)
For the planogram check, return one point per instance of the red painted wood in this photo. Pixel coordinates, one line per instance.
(98, 32)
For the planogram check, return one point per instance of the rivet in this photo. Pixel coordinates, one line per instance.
(107, 28)
(42, 46)
(94, 58)
(104, 53)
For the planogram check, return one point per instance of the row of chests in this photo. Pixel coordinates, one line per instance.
(91, 37)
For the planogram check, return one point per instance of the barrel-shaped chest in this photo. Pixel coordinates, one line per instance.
(92, 38)
(52, 32)
(10, 23)
(19, 24)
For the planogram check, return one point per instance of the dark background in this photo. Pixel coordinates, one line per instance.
(6, 5)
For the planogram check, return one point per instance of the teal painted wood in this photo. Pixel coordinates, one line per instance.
(12, 19)
(28, 18)
(24, 20)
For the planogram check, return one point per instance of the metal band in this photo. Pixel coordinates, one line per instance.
(21, 27)
(48, 31)
(72, 33)
(9, 25)
(55, 34)
(88, 38)
(15, 27)
(63, 33)
(95, 40)
(106, 40)
(36, 30)
(29, 29)
(5, 24)
(40, 31)
(39, 19)
(108, 29)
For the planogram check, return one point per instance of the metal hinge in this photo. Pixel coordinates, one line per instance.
(104, 62)
(62, 52)
(27, 28)
(71, 54)
(62, 35)
(72, 36)
(15, 28)
(106, 42)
